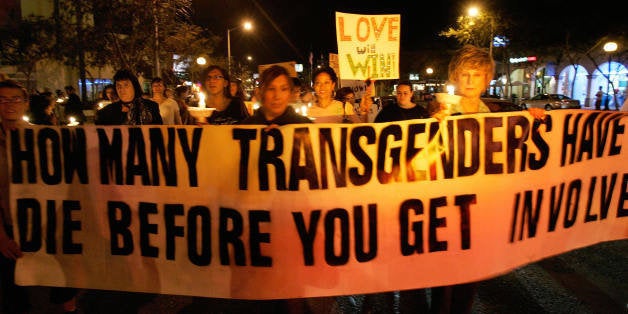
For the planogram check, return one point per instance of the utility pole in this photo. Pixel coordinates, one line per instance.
(156, 19)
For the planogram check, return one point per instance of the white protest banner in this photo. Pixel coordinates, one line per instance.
(368, 46)
(313, 209)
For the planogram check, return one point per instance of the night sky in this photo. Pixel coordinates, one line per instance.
(289, 30)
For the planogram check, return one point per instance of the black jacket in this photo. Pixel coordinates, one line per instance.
(289, 116)
(141, 111)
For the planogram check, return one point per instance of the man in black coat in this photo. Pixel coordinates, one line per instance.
(73, 106)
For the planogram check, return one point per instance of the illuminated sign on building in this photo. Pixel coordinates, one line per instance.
(522, 59)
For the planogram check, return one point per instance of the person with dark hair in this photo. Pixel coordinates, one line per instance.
(236, 89)
(107, 96)
(275, 95)
(168, 107)
(41, 109)
(73, 106)
(345, 95)
(181, 94)
(414, 300)
(325, 108)
(109, 93)
(131, 109)
(14, 102)
(229, 110)
(297, 89)
(405, 108)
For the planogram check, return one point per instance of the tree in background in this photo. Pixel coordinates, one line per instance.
(26, 42)
(86, 34)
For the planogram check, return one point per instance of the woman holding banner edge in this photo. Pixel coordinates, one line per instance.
(470, 71)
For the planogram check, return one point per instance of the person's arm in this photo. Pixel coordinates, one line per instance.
(8, 247)
(367, 101)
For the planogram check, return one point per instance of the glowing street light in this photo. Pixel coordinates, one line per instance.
(609, 48)
(475, 12)
(429, 83)
(247, 26)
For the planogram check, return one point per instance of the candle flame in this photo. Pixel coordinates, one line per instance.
(450, 89)
(201, 100)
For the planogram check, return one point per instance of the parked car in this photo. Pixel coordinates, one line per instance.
(500, 105)
(551, 101)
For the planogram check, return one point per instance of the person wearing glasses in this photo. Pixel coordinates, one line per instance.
(229, 110)
(14, 102)
(405, 108)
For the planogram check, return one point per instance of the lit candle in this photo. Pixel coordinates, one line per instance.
(304, 110)
(72, 121)
(201, 100)
(450, 89)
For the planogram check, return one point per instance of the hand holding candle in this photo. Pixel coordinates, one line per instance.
(201, 113)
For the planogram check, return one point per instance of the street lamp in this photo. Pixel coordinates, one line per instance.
(610, 47)
(247, 26)
(475, 12)
(429, 72)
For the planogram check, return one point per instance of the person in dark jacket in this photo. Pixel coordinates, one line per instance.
(73, 106)
(404, 109)
(275, 95)
(131, 109)
(229, 110)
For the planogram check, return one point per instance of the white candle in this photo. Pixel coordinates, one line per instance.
(201, 100)
(304, 110)
(450, 89)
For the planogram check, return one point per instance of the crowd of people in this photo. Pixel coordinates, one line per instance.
(280, 97)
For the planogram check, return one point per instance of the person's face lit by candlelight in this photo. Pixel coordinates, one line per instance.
(125, 90)
(276, 96)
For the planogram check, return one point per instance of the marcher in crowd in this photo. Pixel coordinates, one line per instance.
(229, 110)
(107, 96)
(73, 106)
(41, 109)
(181, 95)
(410, 301)
(470, 71)
(276, 93)
(236, 89)
(599, 96)
(13, 104)
(109, 93)
(168, 107)
(295, 99)
(325, 108)
(405, 108)
(132, 108)
(346, 95)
